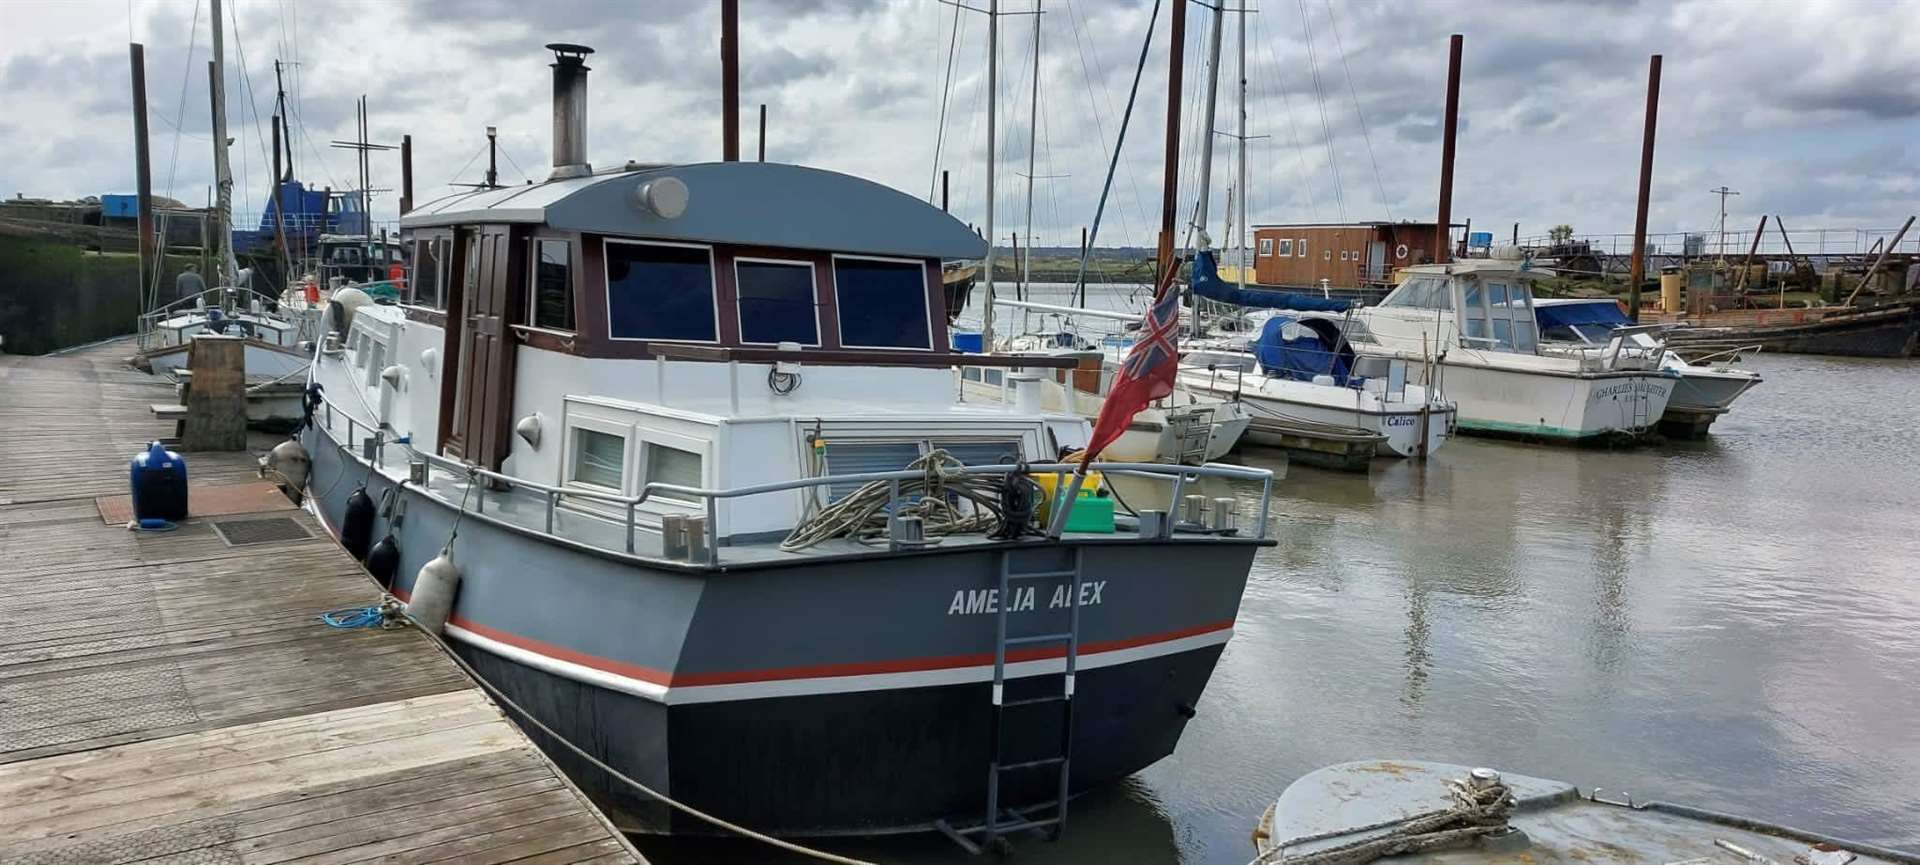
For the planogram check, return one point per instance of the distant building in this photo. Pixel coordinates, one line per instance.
(1354, 255)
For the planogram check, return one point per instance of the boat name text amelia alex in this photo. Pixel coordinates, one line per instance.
(967, 602)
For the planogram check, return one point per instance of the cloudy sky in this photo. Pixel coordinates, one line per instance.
(1811, 109)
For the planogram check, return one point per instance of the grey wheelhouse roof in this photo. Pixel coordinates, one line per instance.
(747, 203)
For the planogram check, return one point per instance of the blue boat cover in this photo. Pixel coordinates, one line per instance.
(1207, 284)
(1300, 349)
(1580, 322)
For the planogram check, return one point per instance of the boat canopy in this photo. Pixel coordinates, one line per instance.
(1301, 348)
(1579, 321)
(1207, 284)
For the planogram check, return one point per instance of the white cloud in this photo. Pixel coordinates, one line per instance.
(1812, 109)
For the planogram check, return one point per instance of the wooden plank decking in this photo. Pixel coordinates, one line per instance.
(170, 698)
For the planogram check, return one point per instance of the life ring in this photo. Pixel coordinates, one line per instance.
(1400, 252)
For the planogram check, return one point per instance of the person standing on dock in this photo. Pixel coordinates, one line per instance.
(189, 283)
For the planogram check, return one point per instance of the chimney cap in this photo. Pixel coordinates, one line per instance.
(568, 50)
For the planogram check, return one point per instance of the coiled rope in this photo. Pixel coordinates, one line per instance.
(935, 497)
(1478, 809)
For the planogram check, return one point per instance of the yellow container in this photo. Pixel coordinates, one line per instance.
(1050, 494)
(1671, 282)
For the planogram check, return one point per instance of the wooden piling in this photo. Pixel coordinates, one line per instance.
(1443, 244)
(1637, 269)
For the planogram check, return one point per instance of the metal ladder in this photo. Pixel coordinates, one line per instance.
(995, 826)
(1193, 430)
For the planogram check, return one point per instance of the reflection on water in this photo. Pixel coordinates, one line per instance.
(1732, 623)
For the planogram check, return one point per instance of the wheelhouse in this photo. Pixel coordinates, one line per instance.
(1490, 309)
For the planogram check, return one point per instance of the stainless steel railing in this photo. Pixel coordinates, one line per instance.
(373, 449)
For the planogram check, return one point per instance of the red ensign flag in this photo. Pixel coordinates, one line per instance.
(1148, 372)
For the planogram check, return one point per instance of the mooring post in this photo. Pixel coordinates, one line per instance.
(1443, 242)
(1637, 269)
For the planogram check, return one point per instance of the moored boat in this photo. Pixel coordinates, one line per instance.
(1707, 385)
(1890, 330)
(1411, 810)
(718, 519)
(1312, 389)
(1468, 328)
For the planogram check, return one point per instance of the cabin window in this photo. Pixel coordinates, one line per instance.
(1286, 249)
(776, 301)
(671, 465)
(1343, 255)
(882, 302)
(1300, 247)
(1266, 246)
(1473, 313)
(429, 261)
(657, 291)
(551, 302)
(1422, 292)
(599, 458)
(1326, 255)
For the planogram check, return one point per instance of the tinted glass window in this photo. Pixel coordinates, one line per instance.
(552, 303)
(776, 302)
(659, 292)
(883, 304)
(427, 273)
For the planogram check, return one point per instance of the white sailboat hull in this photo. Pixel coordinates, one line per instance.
(1399, 421)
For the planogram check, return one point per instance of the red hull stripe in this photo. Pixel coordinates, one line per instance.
(813, 671)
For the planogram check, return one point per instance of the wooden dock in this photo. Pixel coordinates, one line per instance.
(171, 697)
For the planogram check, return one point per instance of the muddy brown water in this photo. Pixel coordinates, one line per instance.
(1733, 623)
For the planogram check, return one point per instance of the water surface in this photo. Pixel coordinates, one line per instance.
(1732, 623)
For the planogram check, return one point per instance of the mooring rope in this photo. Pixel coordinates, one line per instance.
(862, 514)
(616, 774)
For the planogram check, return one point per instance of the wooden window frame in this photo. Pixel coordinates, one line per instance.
(813, 283)
(926, 302)
(606, 281)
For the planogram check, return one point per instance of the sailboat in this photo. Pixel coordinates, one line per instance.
(1185, 427)
(234, 307)
(1301, 380)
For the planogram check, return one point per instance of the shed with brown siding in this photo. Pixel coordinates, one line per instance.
(1353, 255)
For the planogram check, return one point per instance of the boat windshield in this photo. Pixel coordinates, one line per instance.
(1498, 315)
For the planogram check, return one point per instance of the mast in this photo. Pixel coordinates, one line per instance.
(222, 172)
(1033, 121)
(1240, 132)
(1443, 230)
(993, 90)
(1206, 142)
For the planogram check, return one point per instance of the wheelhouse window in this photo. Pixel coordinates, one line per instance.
(882, 303)
(429, 270)
(599, 459)
(657, 291)
(551, 302)
(776, 301)
(1422, 292)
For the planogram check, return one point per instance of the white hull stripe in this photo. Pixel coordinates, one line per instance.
(687, 694)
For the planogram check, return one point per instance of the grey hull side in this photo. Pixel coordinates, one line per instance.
(845, 695)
